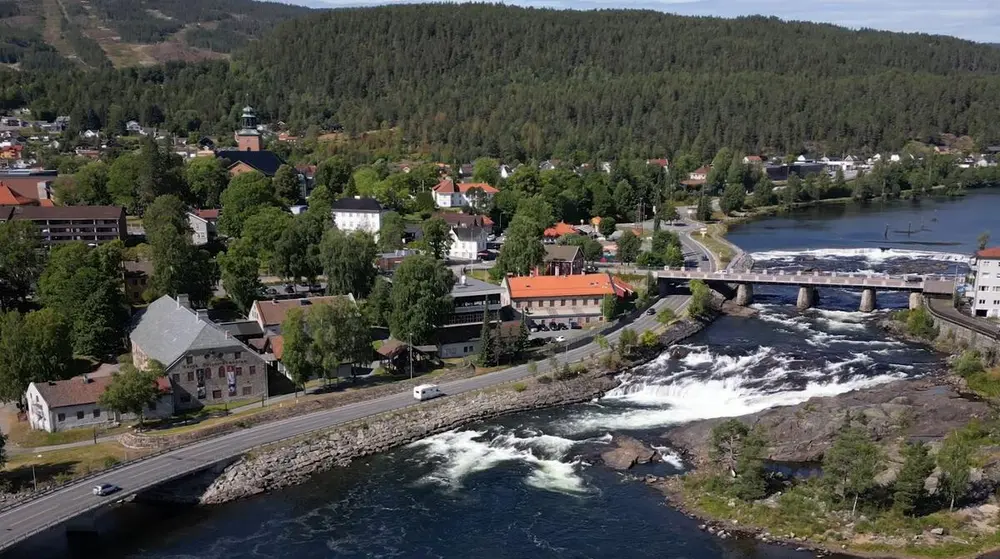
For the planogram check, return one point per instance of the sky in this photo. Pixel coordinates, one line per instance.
(977, 20)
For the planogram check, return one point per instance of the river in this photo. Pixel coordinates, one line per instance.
(531, 485)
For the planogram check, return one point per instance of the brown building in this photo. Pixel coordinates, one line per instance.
(32, 184)
(93, 225)
(138, 276)
(270, 314)
(561, 260)
(205, 364)
(562, 299)
(249, 154)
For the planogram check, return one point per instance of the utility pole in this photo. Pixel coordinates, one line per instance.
(410, 345)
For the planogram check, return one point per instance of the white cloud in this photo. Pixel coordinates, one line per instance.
(978, 20)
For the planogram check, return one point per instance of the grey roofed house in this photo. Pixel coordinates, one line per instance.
(357, 204)
(168, 329)
(467, 234)
(472, 287)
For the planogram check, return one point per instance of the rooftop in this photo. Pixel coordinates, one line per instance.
(266, 162)
(168, 329)
(273, 312)
(474, 287)
(560, 229)
(585, 285)
(69, 212)
(82, 390)
(565, 253)
(8, 197)
(357, 204)
(447, 186)
(991, 252)
(207, 214)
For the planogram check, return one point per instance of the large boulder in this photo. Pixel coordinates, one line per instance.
(627, 452)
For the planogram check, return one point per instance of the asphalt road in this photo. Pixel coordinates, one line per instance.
(32, 517)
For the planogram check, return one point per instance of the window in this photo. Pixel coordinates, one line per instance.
(177, 377)
(239, 371)
(189, 359)
(247, 390)
(62, 417)
(253, 369)
(216, 394)
(152, 406)
(185, 399)
(97, 412)
(562, 302)
(191, 375)
(222, 372)
(79, 415)
(237, 355)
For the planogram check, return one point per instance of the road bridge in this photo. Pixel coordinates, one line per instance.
(809, 283)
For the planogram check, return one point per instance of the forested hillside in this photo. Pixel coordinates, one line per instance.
(94, 33)
(515, 83)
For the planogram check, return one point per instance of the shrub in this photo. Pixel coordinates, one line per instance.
(920, 324)
(665, 316)
(565, 373)
(519, 387)
(968, 364)
(544, 379)
(532, 367)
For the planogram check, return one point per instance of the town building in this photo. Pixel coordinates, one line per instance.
(698, 177)
(72, 403)
(138, 278)
(449, 194)
(471, 298)
(93, 225)
(558, 230)
(986, 285)
(205, 364)
(32, 184)
(249, 154)
(561, 260)
(468, 242)
(358, 214)
(562, 299)
(269, 314)
(204, 226)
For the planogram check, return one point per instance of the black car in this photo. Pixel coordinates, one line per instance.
(650, 311)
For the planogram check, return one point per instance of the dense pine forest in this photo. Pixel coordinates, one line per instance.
(463, 81)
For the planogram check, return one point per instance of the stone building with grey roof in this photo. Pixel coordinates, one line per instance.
(205, 363)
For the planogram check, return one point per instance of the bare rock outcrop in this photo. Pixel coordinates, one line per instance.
(628, 451)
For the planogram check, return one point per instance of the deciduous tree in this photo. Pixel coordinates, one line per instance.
(437, 235)
(955, 460)
(20, 261)
(206, 178)
(421, 298)
(246, 194)
(390, 236)
(607, 226)
(240, 271)
(628, 246)
(852, 462)
(348, 262)
(297, 348)
(132, 390)
(522, 250)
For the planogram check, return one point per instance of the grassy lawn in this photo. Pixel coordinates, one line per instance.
(481, 275)
(722, 251)
(22, 435)
(63, 465)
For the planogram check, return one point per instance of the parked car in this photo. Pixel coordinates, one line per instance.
(561, 339)
(575, 326)
(105, 489)
(543, 327)
(650, 311)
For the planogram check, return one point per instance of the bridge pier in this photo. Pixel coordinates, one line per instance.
(807, 297)
(916, 300)
(867, 299)
(744, 294)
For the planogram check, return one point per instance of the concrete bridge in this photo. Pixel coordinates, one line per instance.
(810, 282)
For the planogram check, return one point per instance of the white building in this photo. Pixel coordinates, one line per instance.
(203, 225)
(358, 214)
(986, 287)
(67, 404)
(449, 194)
(467, 242)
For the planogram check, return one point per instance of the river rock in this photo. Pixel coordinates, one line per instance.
(928, 408)
(628, 452)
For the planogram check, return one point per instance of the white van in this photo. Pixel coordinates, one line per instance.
(426, 391)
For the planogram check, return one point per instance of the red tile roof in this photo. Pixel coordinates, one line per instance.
(448, 186)
(207, 214)
(82, 390)
(277, 346)
(10, 198)
(272, 313)
(992, 252)
(658, 162)
(560, 229)
(754, 158)
(46, 203)
(584, 285)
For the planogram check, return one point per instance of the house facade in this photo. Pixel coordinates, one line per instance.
(358, 214)
(73, 403)
(471, 298)
(467, 242)
(449, 194)
(269, 314)
(138, 276)
(986, 287)
(562, 299)
(204, 363)
(203, 224)
(93, 225)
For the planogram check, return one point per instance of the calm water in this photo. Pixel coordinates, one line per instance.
(531, 485)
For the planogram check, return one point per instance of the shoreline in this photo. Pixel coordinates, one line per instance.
(294, 462)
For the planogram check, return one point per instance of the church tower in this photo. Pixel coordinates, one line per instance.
(248, 137)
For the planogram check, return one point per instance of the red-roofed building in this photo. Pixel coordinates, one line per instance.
(67, 404)
(753, 160)
(986, 287)
(697, 177)
(562, 299)
(661, 163)
(8, 197)
(451, 194)
(560, 229)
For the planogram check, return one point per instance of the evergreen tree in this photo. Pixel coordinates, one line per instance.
(704, 209)
(851, 464)
(487, 342)
(908, 488)
(955, 460)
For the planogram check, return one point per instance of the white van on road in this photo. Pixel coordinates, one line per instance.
(426, 392)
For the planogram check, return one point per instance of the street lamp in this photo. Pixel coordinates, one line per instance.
(34, 480)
